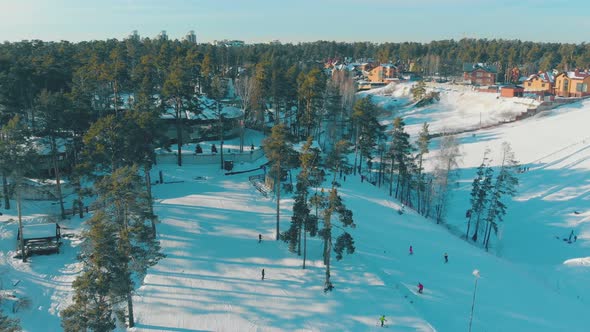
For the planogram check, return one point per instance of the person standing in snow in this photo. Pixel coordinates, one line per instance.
(446, 257)
(420, 288)
(262, 274)
(382, 320)
(411, 250)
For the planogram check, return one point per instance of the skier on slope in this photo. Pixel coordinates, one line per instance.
(420, 287)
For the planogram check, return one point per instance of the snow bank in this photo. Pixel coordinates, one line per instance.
(584, 261)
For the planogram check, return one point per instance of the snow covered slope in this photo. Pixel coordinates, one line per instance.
(211, 277)
(460, 107)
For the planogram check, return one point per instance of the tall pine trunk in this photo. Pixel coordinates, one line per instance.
(179, 131)
(131, 318)
(391, 178)
(397, 185)
(5, 191)
(220, 133)
(419, 189)
(57, 177)
(278, 189)
(20, 222)
(300, 229)
(304, 243)
(148, 185)
(468, 226)
(476, 230)
(328, 249)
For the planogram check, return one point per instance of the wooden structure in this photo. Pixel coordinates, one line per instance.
(40, 238)
(511, 91)
(479, 73)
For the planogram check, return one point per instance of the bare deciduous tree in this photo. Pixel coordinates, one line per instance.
(244, 86)
(444, 173)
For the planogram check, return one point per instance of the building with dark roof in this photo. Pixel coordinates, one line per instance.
(479, 73)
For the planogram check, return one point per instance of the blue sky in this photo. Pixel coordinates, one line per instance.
(297, 21)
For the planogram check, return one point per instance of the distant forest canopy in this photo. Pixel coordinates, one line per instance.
(52, 65)
(89, 73)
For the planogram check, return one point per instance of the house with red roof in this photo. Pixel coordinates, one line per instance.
(479, 73)
(572, 84)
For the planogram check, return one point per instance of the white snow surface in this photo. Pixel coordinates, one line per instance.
(460, 107)
(531, 280)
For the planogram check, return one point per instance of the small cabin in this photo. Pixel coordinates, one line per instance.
(512, 91)
(40, 238)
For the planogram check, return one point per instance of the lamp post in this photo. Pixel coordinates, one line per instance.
(476, 274)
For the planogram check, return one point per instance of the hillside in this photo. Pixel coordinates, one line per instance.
(211, 277)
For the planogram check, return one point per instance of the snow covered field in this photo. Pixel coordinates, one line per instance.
(460, 107)
(211, 277)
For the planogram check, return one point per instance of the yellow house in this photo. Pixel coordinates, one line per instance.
(572, 84)
(382, 73)
(542, 82)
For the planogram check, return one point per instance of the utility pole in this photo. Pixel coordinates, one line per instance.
(476, 274)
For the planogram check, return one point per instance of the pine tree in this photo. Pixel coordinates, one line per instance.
(422, 144)
(218, 91)
(335, 206)
(337, 159)
(16, 159)
(93, 306)
(505, 185)
(418, 91)
(399, 153)
(7, 324)
(481, 187)
(333, 107)
(278, 152)
(179, 93)
(120, 247)
(302, 221)
(104, 144)
(368, 128)
(51, 108)
(310, 92)
(300, 208)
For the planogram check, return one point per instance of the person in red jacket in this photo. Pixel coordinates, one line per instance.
(420, 288)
